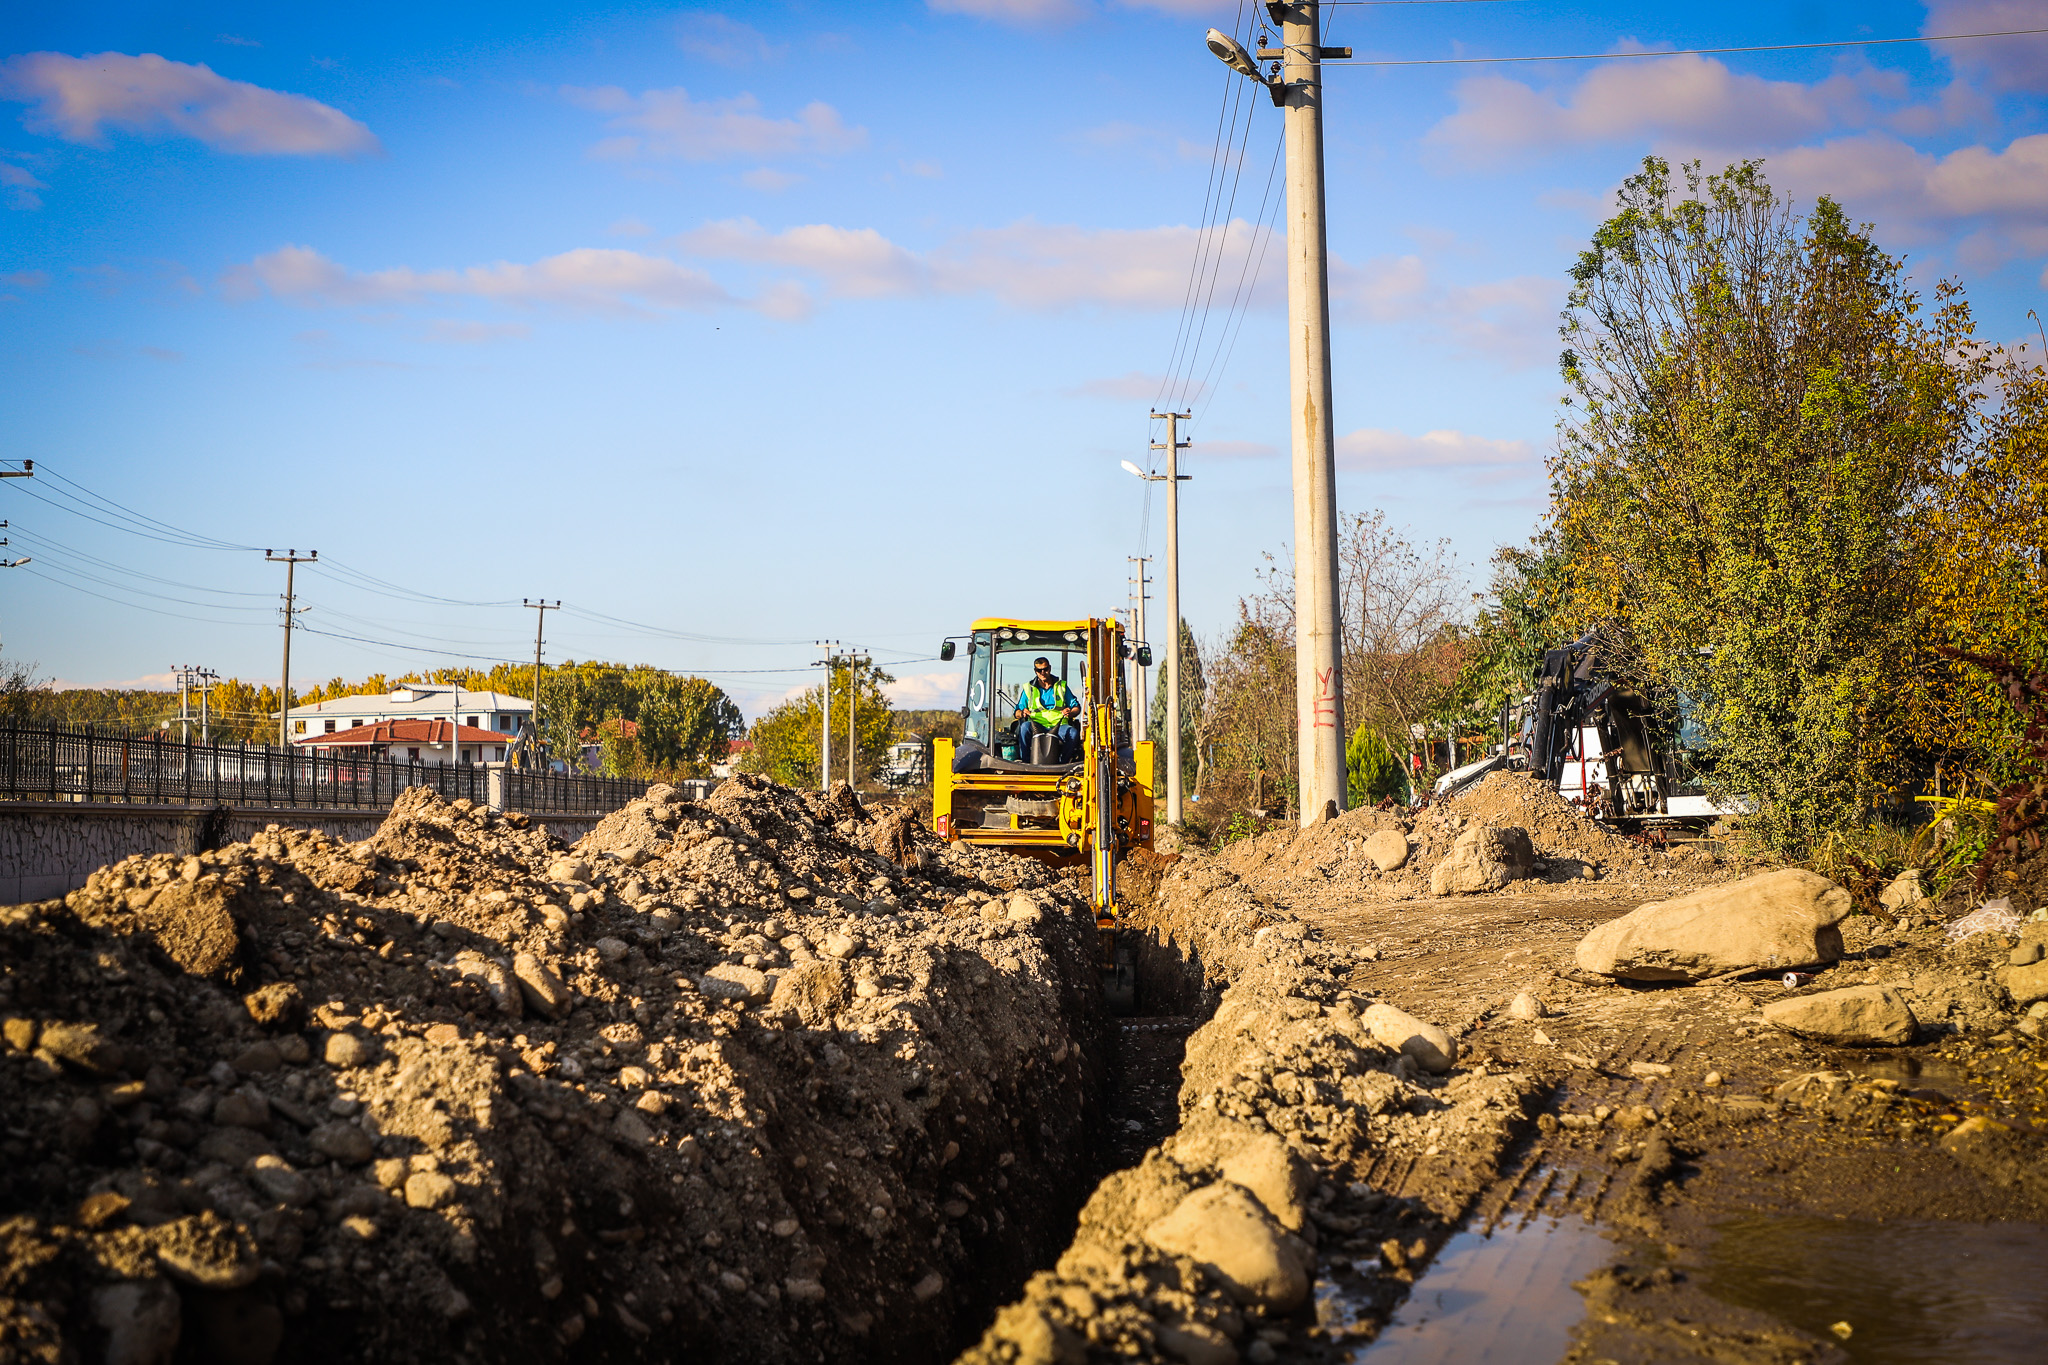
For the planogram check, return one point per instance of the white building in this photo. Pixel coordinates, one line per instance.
(412, 741)
(494, 711)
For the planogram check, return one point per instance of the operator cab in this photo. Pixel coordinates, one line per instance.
(999, 668)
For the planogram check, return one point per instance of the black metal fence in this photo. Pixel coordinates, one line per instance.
(562, 794)
(40, 764)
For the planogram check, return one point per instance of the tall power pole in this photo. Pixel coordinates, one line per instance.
(853, 664)
(1173, 446)
(1318, 665)
(1297, 86)
(1139, 582)
(207, 678)
(825, 723)
(291, 559)
(542, 607)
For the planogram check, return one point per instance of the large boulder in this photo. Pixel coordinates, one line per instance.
(1483, 859)
(1230, 1233)
(1785, 918)
(1855, 1016)
(1388, 849)
(1432, 1049)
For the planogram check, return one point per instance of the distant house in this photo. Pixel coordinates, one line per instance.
(734, 752)
(497, 712)
(592, 739)
(413, 741)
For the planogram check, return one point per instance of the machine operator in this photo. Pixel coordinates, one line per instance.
(1045, 704)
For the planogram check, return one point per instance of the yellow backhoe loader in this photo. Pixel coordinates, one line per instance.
(1018, 783)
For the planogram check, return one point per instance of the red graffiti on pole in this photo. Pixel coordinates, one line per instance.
(1326, 703)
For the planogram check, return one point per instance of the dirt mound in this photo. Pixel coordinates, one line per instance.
(723, 1079)
(1333, 855)
(1557, 828)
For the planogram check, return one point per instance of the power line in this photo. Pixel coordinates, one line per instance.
(134, 606)
(1689, 51)
(50, 543)
(1226, 115)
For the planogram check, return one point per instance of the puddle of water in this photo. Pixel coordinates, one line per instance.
(1504, 1297)
(1911, 1292)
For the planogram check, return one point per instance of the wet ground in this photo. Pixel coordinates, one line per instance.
(1651, 1215)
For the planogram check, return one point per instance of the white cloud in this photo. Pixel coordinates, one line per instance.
(927, 691)
(668, 123)
(1012, 11)
(1479, 458)
(461, 332)
(630, 227)
(1029, 265)
(589, 278)
(1921, 197)
(1697, 99)
(79, 98)
(923, 170)
(724, 40)
(855, 262)
(2003, 63)
(21, 186)
(1134, 386)
(26, 279)
(1046, 266)
(768, 180)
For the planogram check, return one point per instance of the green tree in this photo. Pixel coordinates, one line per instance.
(1192, 699)
(687, 723)
(1373, 769)
(785, 741)
(1755, 409)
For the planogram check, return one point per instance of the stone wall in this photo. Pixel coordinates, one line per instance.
(49, 847)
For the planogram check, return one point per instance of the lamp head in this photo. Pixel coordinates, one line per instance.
(1232, 54)
(1134, 469)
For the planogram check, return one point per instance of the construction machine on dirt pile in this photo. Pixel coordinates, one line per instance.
(1602, 743)
(1078, 805)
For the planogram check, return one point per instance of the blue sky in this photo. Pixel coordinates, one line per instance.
(760, 324)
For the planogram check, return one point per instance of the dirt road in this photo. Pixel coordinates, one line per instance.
(1750, 1215)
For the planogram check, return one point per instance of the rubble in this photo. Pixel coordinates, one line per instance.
(456, 1092)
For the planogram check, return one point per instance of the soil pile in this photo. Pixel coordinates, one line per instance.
(1215, 1245)
(723, 1079)
(1332, 854)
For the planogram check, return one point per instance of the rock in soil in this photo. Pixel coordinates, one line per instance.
(1854, 1016)
(1785, 918)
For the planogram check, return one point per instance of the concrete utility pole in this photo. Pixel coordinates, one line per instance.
(853, 664)
(542, 606)
(1140, 674)
(291, 559)
(207, 678)
(1318, 666)
(1173, 446)
(184, 711)
(825, 719)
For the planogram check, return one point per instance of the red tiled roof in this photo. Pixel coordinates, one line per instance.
(383, 732)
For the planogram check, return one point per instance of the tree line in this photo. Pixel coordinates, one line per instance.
(1787, 488)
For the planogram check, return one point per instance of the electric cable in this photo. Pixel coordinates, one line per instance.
(1685, 51)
